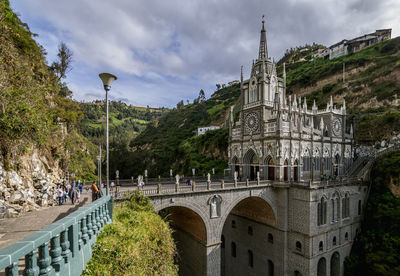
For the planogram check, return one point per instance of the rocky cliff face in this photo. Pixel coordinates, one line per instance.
(33, 186)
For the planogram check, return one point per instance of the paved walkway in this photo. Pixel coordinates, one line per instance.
(15, 229)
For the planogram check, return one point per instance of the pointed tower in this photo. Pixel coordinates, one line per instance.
(263, 51)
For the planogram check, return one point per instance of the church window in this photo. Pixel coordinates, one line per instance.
(250, 231)
(346, 206)
(346, 236)
(359, 207)
(334, 241)
(298, 246)
(271, 269)
(328, 163)
(337, 209)
(270, 238)
(321, 246)
(333, 209)
(233, 249)
(233, 224)
(297, 273)
(222, 241)
(322, 211)
(253, 95)
(306, 163)
(250, 254)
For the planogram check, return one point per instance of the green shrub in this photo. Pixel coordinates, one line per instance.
(138, 242)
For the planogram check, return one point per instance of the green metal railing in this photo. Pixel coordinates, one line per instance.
(61, 248)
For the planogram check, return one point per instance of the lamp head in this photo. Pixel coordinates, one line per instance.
(107, 80)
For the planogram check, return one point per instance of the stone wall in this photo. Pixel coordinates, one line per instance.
(263, 248)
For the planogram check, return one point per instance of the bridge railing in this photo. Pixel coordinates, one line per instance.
(61, 248)
(160, 189)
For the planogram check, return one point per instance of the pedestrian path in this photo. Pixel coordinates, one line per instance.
(15, 229)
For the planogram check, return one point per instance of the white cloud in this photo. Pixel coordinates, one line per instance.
(192, 44)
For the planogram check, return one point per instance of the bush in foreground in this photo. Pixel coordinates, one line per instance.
(138, 242)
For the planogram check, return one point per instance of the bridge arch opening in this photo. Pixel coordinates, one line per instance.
(190, 236)
(257, 213)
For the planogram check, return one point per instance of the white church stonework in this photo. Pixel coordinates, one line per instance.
(280, 137)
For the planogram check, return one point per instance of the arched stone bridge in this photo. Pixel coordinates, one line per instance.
(201, 213)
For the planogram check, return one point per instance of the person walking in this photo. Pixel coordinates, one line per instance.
(60, 195)
(95, 191)
(80, 186)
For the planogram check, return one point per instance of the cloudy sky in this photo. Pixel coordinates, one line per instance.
(166, 51)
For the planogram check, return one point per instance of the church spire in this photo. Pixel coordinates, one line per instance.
(263, 52)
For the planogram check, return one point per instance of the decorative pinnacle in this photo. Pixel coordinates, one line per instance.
(263, 22)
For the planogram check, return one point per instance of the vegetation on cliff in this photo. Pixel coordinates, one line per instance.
(376, 250)
(34, 112)
(138, 242)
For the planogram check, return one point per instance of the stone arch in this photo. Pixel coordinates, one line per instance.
(250, 164)
(269, 170)
(255, 202)
(190, 231)
(202, 212)
(335, 264)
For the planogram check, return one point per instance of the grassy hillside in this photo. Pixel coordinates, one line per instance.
(371, 88)
(376, 250)
(372, 77)
(138, 242)
(32, 113)
(125, 121)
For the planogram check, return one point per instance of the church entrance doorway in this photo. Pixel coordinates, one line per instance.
(296, 170)
(254, 167)
(251, 165)
(271, 169)
(285, 171)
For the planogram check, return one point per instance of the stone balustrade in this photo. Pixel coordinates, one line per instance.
(61, 248)
(160, 189)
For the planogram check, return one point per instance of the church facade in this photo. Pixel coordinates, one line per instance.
(301, 151)
(279, 137)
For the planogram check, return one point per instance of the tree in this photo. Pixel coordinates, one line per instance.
(218, 86)
(64, 90)
(202, 95)
(63, 65)
(179, 105)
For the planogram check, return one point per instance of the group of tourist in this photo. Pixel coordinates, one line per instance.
(73, 192)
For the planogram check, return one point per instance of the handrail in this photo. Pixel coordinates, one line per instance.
(70, 238)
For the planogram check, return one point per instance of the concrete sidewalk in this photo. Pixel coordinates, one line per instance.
(15, 229)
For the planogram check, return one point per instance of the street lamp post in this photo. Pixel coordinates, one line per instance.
(107, 80)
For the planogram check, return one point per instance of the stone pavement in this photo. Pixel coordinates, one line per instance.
(15, 229)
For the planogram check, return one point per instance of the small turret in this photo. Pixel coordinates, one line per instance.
(314, 107)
